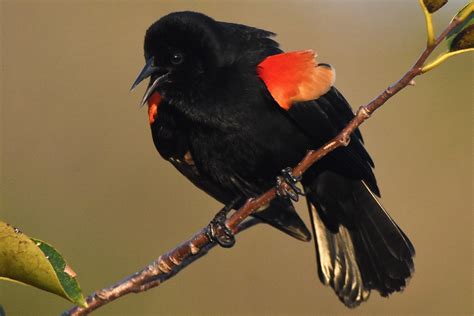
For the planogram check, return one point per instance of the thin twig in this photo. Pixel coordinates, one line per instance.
(155, 273)
(169, 264)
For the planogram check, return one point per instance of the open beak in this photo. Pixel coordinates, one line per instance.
(157, 74)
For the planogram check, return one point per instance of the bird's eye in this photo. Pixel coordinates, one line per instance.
(177, 58)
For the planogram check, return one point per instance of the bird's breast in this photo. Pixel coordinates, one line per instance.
(249, 152)
(238, 136)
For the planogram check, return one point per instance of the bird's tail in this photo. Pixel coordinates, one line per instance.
(359, 247)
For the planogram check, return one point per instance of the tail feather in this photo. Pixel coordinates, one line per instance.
(388, 230)
(390, 246)
(337, 263)
(366, 250)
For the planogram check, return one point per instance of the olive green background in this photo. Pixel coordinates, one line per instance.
(79, 168)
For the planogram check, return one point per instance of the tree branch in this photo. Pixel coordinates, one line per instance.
(169, 264)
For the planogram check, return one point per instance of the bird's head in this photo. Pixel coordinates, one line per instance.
(182, 51)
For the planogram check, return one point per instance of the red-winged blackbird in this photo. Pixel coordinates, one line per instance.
(230, 110)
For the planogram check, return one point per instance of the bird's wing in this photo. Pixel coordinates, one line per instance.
(304, 89)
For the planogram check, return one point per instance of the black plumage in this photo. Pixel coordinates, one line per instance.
(219, 124)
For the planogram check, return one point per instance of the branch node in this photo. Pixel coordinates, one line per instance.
(175, 260)
(164, 266)
(345, 139)
(364, 112)
(412, 83)
(103, 295)
(194, 249)
(389, 91)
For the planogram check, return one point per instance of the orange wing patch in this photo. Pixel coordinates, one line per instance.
(295, 77)
(153, 103)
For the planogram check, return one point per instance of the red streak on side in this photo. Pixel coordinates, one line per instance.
(153, 103)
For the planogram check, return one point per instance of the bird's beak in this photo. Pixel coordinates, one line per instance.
(158, 74)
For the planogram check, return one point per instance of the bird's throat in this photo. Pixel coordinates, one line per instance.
(153, 104)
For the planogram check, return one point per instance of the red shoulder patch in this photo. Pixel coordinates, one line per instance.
(295, 77)
(153, 103)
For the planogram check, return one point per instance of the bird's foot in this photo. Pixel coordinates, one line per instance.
(286, 185)
(218, 232)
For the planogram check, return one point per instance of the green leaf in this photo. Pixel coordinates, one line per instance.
(33, 262)
(434, 5)
(467, 15)
(463, 40)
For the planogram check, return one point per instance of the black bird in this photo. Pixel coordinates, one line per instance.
(230, 110)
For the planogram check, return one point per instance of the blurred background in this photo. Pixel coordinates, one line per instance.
(79, 169)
